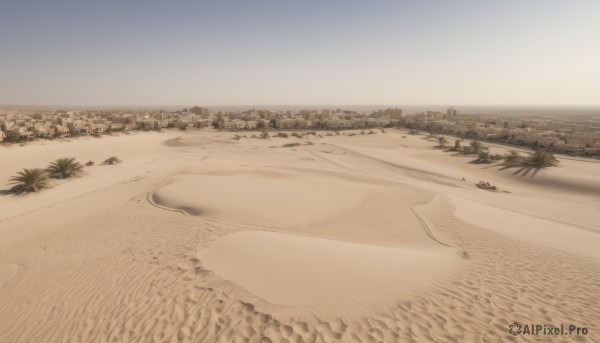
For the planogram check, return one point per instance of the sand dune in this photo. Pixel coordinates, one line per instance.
(285, 269)
(352, 239)
(261, 198)
(531, 228)
(310, 201)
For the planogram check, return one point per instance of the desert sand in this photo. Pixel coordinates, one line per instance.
(197, 237)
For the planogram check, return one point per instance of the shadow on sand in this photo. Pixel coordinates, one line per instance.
(522, 169)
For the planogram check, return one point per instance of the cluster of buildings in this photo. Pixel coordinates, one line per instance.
(305, 119)
(573, 135)
(26, 125)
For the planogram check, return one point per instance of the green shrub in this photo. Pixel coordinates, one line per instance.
(112, 160)
(289, 145)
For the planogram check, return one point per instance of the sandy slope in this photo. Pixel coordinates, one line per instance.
(287, 269)
(351, 239)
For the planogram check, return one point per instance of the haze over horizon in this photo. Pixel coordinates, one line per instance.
(238, 53)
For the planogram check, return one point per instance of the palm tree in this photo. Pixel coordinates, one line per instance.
(442, 140)
(512, 158)
(29, 180)
(476, 146)
(541, 159)
(483, 156)
(457, 145)
(512, 155)
(467, 150)
(112, 160)
(64, 168)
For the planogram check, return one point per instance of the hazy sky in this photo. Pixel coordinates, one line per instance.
(299, 52)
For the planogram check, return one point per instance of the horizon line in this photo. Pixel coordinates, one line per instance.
(299, 105)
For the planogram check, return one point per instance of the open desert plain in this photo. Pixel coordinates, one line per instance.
(201, 236)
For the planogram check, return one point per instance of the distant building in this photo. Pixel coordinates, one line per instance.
(18, 133)
(60, 131)
(293, 123)
(151, 124)
(203, 111)
(251, 124)
(451, 112)
(42, 132)
(202, 123)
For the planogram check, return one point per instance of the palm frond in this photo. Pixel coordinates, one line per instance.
(64, 168)
(541, 159)
(29, 180)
